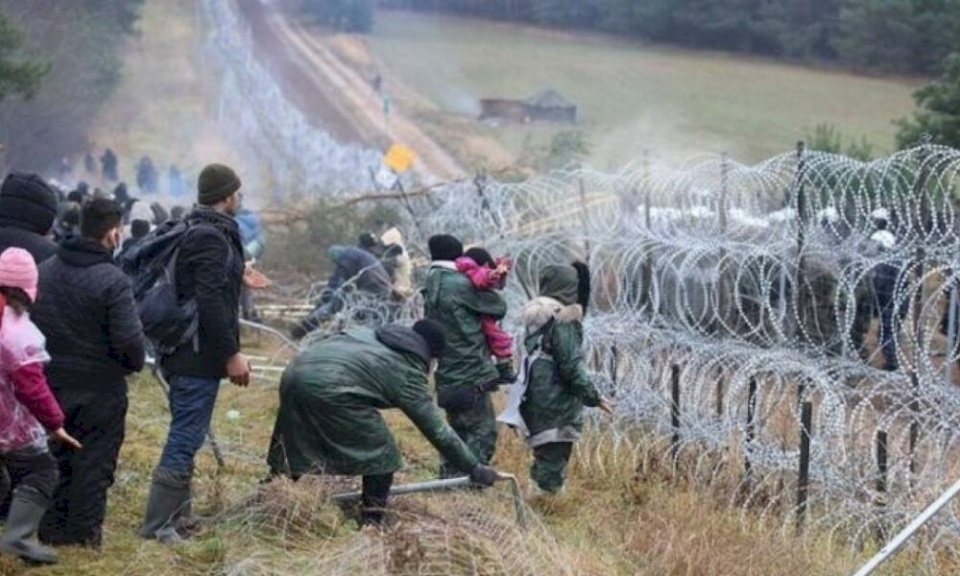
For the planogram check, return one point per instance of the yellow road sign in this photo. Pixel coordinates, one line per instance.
(399, 158)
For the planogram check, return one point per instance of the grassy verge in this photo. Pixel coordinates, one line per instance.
(675, 103)
(610, 520)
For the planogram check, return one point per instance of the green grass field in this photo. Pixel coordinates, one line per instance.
(674, 103)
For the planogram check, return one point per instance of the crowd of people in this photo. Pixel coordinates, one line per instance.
(106, 169)
(75, 325)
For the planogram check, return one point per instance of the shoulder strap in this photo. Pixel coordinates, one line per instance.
(542, 334)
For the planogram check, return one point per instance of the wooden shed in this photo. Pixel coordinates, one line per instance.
(545, 106)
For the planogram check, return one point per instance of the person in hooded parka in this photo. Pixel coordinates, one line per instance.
(330, 397)
(557, 381)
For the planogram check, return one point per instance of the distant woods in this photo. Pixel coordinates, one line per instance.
(902, 36)
(73, 54)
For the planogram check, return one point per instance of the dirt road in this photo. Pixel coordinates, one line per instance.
(335, 97)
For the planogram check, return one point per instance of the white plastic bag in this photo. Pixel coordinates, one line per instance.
(511, 414)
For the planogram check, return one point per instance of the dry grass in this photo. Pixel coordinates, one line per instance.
(609, 521)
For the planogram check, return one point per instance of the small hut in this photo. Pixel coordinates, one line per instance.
(548, 105)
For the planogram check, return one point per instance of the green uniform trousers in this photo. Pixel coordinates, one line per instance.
(549, 463)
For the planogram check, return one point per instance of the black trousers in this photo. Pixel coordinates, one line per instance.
(97, 420)
(376, 491)
(31, 468)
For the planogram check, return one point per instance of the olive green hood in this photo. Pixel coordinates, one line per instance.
(560, 282)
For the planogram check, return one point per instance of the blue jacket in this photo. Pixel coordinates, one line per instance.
(251, 234)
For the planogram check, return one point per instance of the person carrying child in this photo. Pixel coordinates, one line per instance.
(28, 412)
(487, 273)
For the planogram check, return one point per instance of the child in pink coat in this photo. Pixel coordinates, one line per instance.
(487, 273)
(28, 411)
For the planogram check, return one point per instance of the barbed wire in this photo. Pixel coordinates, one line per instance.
(725, 297)
(761, 277)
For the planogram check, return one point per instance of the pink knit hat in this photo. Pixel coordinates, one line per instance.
(18, 270)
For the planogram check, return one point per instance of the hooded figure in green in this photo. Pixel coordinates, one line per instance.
(466, 373)
(330, 397)
(558, 385)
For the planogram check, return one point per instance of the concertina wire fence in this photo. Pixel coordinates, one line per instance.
(725, 298)
(730, 299)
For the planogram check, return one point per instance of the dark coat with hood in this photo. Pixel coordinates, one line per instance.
(210, 269)
(450, 299)
(86, 310)
(28, 207)
(558, 385)
(39, 246)
(331, 395)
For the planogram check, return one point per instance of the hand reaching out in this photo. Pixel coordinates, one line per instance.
(62, 435)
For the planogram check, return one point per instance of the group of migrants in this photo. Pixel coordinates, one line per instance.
(72, 333)
(106, 168)
(330, 395)
(77, 320)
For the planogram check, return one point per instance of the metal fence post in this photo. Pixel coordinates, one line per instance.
(675, 411)
(751, 426)
(803, 479)
(880, 501)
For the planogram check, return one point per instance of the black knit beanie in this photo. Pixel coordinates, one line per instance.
(27, 202)
(479, 255)
(432, 333)
(216, 182)
(444, 247)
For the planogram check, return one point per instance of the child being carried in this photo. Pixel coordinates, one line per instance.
(488, 273)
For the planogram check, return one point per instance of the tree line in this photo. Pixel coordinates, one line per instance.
(902, 36)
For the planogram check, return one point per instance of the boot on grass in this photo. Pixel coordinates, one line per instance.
(20, 538)
(167, 503)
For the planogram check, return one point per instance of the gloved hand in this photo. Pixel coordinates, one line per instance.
(483, 475)
(505, 372)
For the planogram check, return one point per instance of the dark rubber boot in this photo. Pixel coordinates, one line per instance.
(169, 499)
(20, 539)
(373, 502)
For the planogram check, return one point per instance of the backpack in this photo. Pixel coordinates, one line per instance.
(151, 264)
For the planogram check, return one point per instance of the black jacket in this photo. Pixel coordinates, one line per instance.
(40, 247)
(86, 310)
(885, 277)
(210, 269)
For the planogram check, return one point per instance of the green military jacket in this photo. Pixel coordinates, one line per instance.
(558, 386)
(330, 398)
(451, 300)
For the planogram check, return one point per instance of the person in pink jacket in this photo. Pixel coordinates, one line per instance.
(487, 273)
(28, 412)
